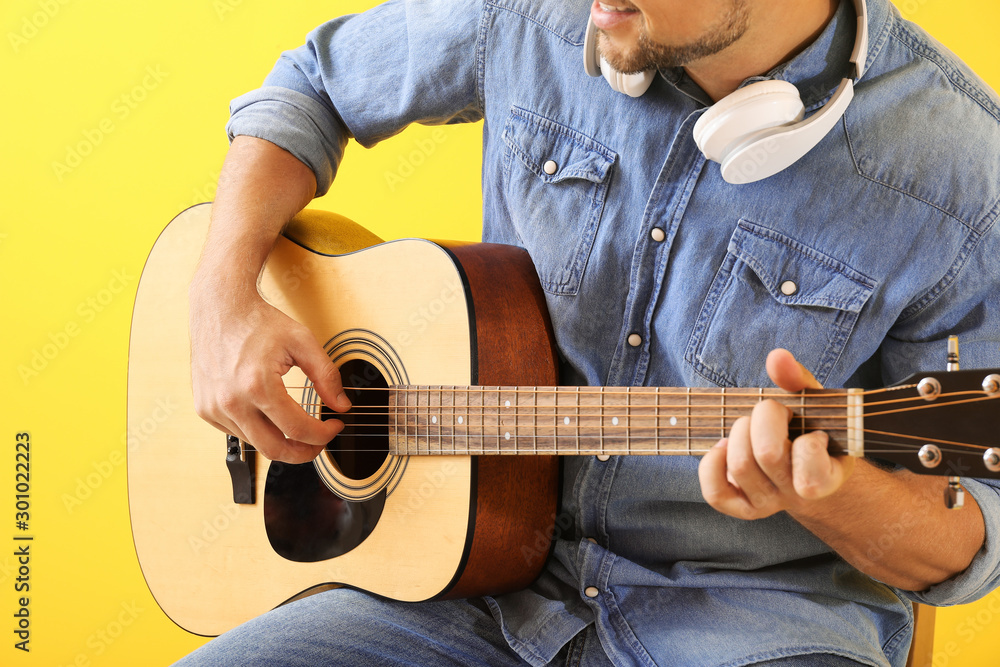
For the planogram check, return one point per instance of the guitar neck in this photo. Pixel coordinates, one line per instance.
(466, 421)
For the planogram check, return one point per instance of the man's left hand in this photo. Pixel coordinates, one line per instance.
(758, 471)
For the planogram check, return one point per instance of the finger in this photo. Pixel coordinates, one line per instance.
(787, 373)
(716, 488)
(271, 442)
(771, 447)
(318, 367)
(816, 473)
(745, 471)
(294, 423)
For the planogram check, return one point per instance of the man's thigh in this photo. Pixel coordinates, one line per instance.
(346, 627)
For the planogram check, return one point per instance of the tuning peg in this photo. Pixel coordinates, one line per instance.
(954, 495)
(952, 353)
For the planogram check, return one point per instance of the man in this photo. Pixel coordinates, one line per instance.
(656, 272)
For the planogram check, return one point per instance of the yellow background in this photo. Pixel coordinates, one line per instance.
(113, 116)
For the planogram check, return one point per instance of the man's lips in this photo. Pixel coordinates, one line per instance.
(609, 15)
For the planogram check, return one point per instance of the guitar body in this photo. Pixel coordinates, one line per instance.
(405, 527)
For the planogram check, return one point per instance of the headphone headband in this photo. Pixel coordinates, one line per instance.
(754, 132)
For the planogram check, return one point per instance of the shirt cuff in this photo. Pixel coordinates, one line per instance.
(295, 122)
(983, 573)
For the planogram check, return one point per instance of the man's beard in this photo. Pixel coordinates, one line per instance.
(648, 55)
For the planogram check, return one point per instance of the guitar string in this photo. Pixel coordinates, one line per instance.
(642, 392)
(482, 438)
(536, 411)
(891, 448)
(711, 411)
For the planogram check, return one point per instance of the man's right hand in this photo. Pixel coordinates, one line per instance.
(241, 347)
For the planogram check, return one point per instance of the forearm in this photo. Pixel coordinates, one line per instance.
(894, 526)
(261, 187)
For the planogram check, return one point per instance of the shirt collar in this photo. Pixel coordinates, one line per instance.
(818, 69)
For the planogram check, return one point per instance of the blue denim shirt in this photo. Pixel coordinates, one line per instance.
(887, 227)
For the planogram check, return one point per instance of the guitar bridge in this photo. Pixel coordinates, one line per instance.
(241, 460)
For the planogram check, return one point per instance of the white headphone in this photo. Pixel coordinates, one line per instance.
(758, 130)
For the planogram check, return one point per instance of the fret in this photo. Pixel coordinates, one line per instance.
(722, 408)
(558, 438)
(687, 419)
(802, 409)
(578, 419)
(499, 425)
(628, 420)
(475, 419)
(656, 421)
(601, 411)
(507, 411)
(410, 420)
(424, 410)
(534, 422)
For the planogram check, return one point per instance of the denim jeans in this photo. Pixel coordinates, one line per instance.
(345, 627)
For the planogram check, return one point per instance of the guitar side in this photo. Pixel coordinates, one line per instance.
(447, 528)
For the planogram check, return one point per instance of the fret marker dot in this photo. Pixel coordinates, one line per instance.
(614, 420)
(434, 420)
(506, 404)
(461, 420)
(566, 421)
(506, 436)
(673, 421)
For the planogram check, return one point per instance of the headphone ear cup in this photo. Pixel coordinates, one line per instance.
(632, 85)
(594, 64)
(737, 118)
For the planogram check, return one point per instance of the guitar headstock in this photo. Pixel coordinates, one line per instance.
(938, 423)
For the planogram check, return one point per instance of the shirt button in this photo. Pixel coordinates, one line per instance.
(788, 288)
(658, 234)
(591, 591)
(603, 457)
(550, 167)
(635, 340)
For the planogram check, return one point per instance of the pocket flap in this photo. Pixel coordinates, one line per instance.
(797, 275)
(544, 146)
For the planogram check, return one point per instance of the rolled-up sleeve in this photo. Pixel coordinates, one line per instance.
(966, 303)
(367, 77)
(983, 574)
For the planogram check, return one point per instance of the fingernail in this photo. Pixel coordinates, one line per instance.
(343, 403)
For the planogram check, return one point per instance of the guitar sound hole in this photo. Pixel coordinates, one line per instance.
(363, 445)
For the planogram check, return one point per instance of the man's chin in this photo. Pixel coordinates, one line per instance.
(626, 62)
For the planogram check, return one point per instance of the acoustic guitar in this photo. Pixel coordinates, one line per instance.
(445, 481)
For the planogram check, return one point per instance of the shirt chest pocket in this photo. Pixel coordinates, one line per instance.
(770, 292)
(555, 183)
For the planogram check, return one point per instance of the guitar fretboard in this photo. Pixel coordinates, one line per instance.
(475, 420)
